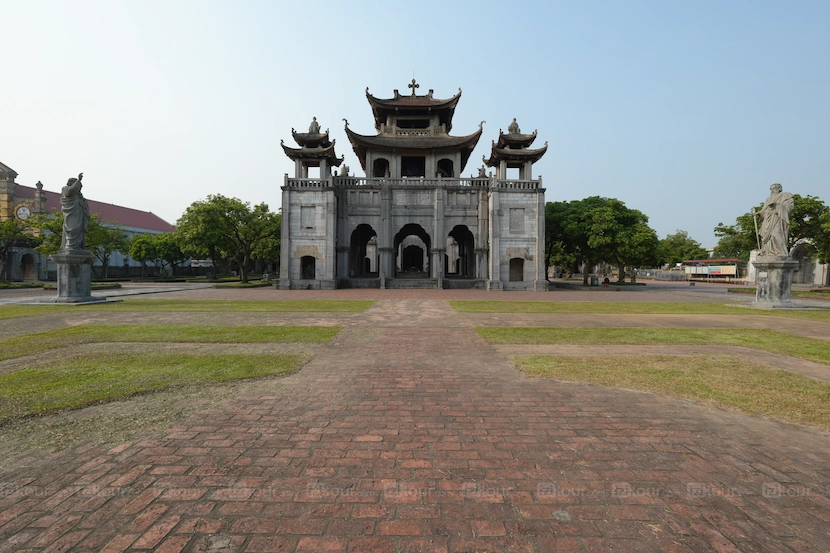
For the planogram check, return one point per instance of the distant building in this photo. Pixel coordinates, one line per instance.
(21, 202)
(413, 221)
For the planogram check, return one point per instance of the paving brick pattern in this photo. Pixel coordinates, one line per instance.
(425, 439)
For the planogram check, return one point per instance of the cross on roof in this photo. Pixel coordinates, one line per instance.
(413, 85)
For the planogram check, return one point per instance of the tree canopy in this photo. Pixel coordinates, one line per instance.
(220, 227)
(12, 233)
(598, 229)
(678, 247)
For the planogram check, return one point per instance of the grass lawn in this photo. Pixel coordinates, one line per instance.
(624, 308)
(722, 380)
(74, 383)
(768, 340)
(298, 306)
(27, 344)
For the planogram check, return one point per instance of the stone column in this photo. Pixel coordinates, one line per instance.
(439, 240)
(285, 239)
(774, 279)
(494, 280)
(541, 283)
(385, 237)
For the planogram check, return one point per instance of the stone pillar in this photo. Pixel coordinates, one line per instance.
(74, 276)
(328, 281)
(482, 237)
(285, 239)
(439, 240)
(541, 283)
(385, 238)
(494, 280)
(774, 278)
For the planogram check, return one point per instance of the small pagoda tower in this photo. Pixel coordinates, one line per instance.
(512, 151)
(308, 235)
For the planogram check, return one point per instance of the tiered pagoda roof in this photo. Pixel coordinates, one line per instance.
(435, 137)
(313, 146)
(513, 148)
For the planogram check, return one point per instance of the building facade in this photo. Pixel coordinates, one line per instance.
(413, 221)
(21, 202)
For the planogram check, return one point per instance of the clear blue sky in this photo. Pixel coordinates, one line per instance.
(687, 111)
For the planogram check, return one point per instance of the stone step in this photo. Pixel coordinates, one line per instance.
(410, 283)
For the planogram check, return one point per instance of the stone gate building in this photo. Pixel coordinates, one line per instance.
(413, 221)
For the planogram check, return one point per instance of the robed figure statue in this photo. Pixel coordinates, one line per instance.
(775, 223)
(75, 215)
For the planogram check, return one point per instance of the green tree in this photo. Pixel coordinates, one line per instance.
(806, 226)
(229, 226)
(678, 247)
(12, 233)
(143, 249)
(168, 250)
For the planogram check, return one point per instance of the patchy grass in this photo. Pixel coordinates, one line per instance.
(629, 308)
(28, 344)
(822, 293)
(720, 380)
(297, 306)
(279, 306)
(74, 383)
(21, 285)
(811, 349)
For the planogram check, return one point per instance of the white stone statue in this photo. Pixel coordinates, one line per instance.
(775, 223)
(314, 127)
(75, 215)
(513, 128)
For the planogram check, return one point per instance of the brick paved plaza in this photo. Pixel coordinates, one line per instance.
(408, 433)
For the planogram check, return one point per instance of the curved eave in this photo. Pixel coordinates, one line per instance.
(326, 153)
(311, 139)
(515, 140)
(381, 106)
(509, 155)
(362, 143)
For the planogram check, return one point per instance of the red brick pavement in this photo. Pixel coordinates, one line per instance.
(399, 439)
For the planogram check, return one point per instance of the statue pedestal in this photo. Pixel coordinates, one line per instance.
(74, 276)
(774, 279)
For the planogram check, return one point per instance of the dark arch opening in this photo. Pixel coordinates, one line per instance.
(422, 268)
(307, 267)
(28, 268)
(517, 269)
(380, 168)
(358, 251)
(445, 168)
(465, 264)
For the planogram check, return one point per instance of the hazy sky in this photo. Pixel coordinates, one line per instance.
(687, 111)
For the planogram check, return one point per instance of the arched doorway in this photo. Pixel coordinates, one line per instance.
(464, 264)
(445, 168)
(307, 267)
(412, 244)
(28, 268)
(803, 274)
(363, 247)
(517, 269)
(380, 168)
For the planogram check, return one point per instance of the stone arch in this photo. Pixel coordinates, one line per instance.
(28, 268)
(445, 168)
(517, 269)
(360, 250)
(462, 265)
(308, 267)
(412, 235)
(380, 167)
(803, 274)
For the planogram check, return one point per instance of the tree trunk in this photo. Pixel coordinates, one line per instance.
(621, 278)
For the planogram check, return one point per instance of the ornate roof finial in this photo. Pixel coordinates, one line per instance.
(347, 121)
(481, 125)
(413, 85)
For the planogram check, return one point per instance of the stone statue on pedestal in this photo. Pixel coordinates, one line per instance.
(774, 267)
(775, 225)
(75, 215)
(513, 128)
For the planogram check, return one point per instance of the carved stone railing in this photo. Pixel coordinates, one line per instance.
(518, 184)
(416, 182)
